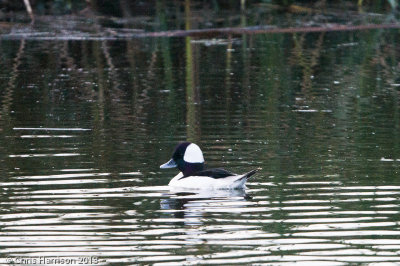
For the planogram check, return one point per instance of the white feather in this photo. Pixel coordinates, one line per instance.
(205, 182)
(193, 154)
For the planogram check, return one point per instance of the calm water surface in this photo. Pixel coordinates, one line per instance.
(84, 126)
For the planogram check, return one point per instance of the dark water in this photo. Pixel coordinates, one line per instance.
(85, 125)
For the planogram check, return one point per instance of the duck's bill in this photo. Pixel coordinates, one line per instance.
(170, 164)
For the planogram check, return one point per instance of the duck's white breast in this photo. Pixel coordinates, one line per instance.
(202, 182)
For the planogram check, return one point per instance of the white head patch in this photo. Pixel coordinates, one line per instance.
(193, 154)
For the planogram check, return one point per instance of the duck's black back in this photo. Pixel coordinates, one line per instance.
(214, 173)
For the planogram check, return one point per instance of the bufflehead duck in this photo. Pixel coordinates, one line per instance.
(188, 158)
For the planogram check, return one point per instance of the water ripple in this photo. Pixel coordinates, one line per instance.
(243, 227)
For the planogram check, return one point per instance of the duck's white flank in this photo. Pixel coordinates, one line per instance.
(205, 182)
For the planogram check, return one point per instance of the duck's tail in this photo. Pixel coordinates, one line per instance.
(249, 174)
(240, 182)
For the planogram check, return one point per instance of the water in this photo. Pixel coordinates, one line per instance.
(86, 124)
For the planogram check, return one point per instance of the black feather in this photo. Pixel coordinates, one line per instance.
(219, 173)
(252, 172)
(213, 173)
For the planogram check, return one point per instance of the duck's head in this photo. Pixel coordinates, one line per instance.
(187, 157)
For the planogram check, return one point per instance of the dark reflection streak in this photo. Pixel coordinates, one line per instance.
(242, 6)
(113, 73)
(165, 47)
(396, 101)
(92, 4)
(367, 87)
(101, 50)
(107, 56)
(69, 61)
(228, 83)
(125, 9)
(192, 93)
(307, 61)
(245, 77)
(131, 49)
(188, 15)
(5, 126)
(85, 54)
(99, 134)
(99, 112)
(397, 123)
(272, 64)
(85, 61)
(246, 83)
(167, 60)
(8, 95)
(316, 53)
(144, 95)
(71, 66)
(386, 58)
(245, 53)
(131, 55)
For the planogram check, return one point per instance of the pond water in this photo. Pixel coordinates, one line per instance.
(84, 126)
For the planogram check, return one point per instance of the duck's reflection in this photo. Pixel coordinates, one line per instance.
(192, 207)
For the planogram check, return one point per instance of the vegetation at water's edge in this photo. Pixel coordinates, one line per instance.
(120, 8)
